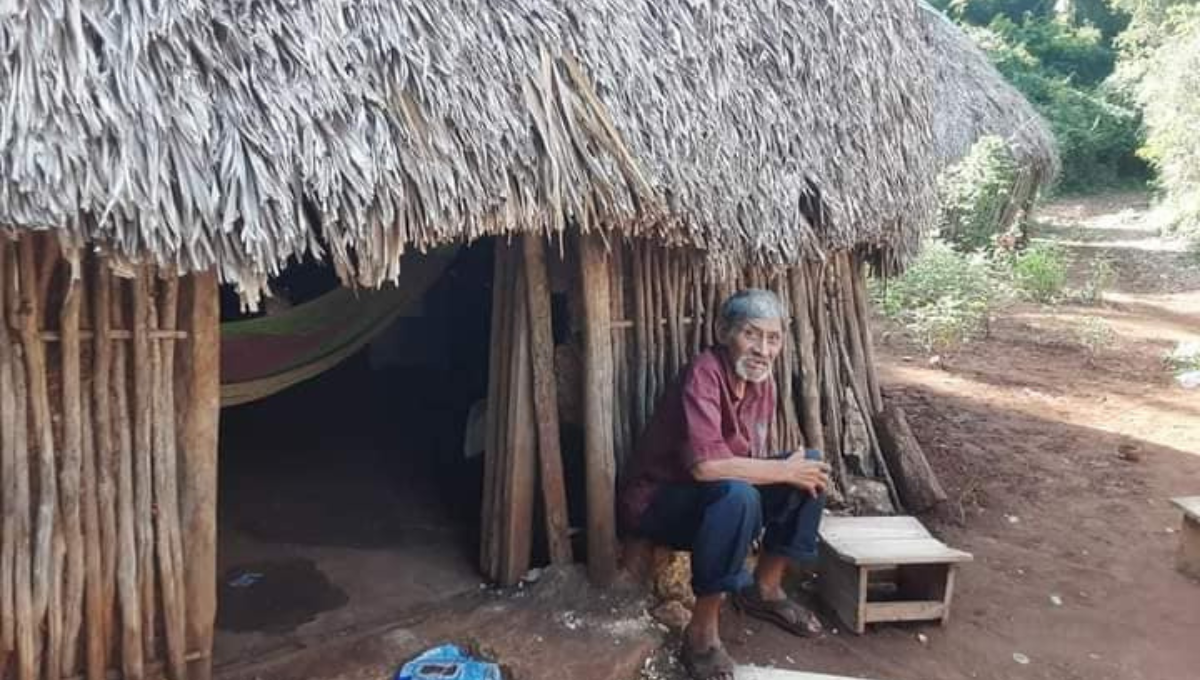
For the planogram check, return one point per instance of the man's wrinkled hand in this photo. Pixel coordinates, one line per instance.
(807, 475)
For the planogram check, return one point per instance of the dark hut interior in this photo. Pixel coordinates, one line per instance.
(350, 498)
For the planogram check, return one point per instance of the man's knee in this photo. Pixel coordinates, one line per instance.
(736, 496)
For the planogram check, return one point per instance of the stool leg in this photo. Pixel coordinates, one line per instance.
(843, 586)
(949, 593)
(1188, 560)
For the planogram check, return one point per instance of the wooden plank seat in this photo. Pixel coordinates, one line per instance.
(883, 569)
(760, 673)
(1188, 557)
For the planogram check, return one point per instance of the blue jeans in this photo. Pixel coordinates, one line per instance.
(719, 521)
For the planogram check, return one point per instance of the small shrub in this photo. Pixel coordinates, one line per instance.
(944, 298)
(975, 196)
(1094, 334)
(1039, 272)
(1185, 357)
(1101, 276)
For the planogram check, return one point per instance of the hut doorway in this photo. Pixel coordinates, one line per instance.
(353, 496)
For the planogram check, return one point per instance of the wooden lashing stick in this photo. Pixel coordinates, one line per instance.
(545, 401)
(598, 446)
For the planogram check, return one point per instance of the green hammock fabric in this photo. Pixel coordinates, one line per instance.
(261, 357)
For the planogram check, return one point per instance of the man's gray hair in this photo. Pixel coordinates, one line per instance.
(748, 305)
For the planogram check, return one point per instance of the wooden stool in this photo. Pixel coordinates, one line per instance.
(877, 569)
(1188, 559)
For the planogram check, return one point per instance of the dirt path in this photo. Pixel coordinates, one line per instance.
(1059, 465)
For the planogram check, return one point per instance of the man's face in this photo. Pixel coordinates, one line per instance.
(753, 348)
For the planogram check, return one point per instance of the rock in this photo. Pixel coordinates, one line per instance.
(1189, 380)
(674, 615)
(856, 442)
(869, 497)
(1129, 452)
(1020, 658)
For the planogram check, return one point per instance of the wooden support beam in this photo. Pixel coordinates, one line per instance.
(520, 444)
(598, 411)
(199, 404)
(545, 401)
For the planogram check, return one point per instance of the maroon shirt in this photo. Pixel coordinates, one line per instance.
(697, 420)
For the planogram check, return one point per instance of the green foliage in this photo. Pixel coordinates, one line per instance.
(1094, 334)
(981, 12)
(1101, 276)
(945, 297)
(974, 195)
(1097, 132)
(1168, 92)
(1078, 53)
(1183, 358)
(1039, 272)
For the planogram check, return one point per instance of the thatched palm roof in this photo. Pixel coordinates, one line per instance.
(972, 100)
(201, 132)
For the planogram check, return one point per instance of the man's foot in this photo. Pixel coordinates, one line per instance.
(712, 663)
(776, 608)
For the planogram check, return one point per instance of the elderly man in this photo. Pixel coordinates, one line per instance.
(703, 480)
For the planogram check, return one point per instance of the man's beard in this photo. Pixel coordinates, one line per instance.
(744, 371)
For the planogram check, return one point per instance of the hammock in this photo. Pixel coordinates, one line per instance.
(263, 356)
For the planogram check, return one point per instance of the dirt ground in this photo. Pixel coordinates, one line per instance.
(1059, 465)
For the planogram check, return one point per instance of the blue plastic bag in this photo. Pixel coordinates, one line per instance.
(448, 662)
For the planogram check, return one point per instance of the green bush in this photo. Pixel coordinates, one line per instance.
(944, 298)
(974, 196)
(1094, 334)
(1168, 92)
(1039, 272)
(1097, 130)
(1101, 276)
(1183, 358)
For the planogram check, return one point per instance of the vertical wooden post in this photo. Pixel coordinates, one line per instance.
(597, 399)
(70, 474)
(168, 542)
(489, 549)
(545, 400)
(521, 470)
(106, 462)
(802, 328)
(128, 566)
(143, 452)
(862, 306)
(41, 436)
(201, 406)
(8, 480)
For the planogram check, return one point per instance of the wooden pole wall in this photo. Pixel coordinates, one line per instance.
(107, 468)
(665, 311)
